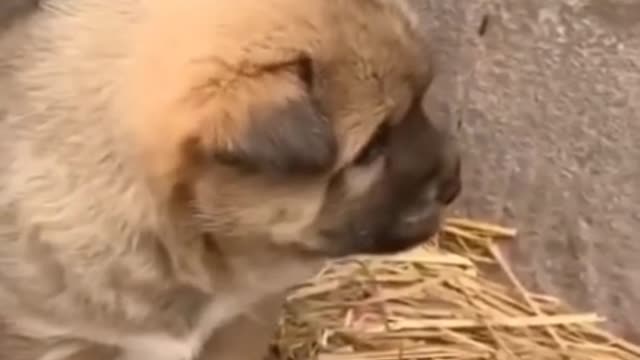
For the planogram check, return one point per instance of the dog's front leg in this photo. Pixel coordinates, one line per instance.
(246, 337)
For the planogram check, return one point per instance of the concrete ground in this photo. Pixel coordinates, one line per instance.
(548, 100)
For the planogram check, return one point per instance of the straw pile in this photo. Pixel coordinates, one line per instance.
(437, 302)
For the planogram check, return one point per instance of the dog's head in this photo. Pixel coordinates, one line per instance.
(292, 124)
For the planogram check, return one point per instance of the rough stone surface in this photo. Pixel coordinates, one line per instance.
(548, 101)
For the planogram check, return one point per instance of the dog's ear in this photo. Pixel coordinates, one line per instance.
(283, 130)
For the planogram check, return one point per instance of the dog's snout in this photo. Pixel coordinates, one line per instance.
(425, 159)
(403, 203)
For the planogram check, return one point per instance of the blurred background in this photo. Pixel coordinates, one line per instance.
(545, 99)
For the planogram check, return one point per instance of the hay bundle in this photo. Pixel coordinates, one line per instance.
(436, 302)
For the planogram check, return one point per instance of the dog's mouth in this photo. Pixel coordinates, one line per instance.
(412, 230)
(403, 236)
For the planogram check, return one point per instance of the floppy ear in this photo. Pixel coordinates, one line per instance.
(283, 131)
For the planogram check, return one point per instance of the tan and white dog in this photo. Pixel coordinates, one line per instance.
(168, 169)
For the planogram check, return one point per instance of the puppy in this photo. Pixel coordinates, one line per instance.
(168, 169)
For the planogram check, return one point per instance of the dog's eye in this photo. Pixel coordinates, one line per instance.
(376, 146)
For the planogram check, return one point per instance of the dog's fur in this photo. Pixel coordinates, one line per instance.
(169, 168)
(15, 10)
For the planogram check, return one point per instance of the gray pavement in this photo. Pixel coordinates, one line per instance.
(548, 100)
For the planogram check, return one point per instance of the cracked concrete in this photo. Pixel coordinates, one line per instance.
(548, 100)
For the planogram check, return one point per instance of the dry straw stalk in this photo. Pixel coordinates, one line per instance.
(437, 302)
